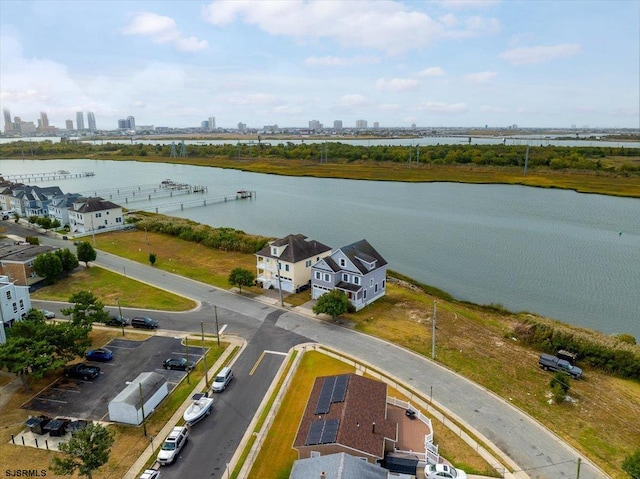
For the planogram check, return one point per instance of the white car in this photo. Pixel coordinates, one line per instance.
(443, 471)
(151, 474)
(172, 445)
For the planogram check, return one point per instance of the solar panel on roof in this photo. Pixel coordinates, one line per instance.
(330, 431)
(315, 433)
(324, 401)
(340, 389)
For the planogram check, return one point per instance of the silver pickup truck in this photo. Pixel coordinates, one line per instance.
(552, 363)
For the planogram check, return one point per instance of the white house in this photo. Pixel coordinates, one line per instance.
(15, 303)
(293, 255)
(127, 406)
(91, 214)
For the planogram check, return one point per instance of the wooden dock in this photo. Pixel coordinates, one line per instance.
(50, 176)
(206, 201)
(146, 192)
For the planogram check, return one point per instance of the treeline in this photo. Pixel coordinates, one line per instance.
(227, 239)
(616, 355)
(551, 157)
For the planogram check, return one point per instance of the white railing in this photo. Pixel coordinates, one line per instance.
(431, 454)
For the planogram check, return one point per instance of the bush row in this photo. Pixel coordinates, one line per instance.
(611, 355)
(227, 239)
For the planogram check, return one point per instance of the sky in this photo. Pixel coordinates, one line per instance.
(465, 63)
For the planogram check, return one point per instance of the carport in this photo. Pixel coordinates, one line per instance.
(143, 394)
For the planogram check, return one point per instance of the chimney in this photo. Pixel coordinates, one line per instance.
(373, 429)
(322, 475)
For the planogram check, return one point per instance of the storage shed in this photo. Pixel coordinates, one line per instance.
(127, 406)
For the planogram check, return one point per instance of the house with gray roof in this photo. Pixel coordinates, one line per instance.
(16, 261)
(346, 413)
(95, 213)
(32, 200)
(60, 206)
(356, 269)
(286, 263)
(336, 466)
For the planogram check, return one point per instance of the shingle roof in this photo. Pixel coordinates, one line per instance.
(95, 204)
(23, 253)
(336, 466)
(363, 424)
(362, 251)
(298, 248)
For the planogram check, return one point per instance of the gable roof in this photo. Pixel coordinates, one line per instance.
(297, 248)
(336, 466)
(362, 415)
(360, 253)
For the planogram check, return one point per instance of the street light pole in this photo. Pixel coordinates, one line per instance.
(204, 356)
(144, 424)
(215, 310)
(121, 318)
(186, 345)
(433, 333)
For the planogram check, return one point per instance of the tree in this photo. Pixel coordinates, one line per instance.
(241, 277)
(28, 357)
(559, 386)
(631, 465)
(86, 252)
(334, 303)
(49, 266)
(152, 258)
(86, 451)
(86, 309)
(68, 259)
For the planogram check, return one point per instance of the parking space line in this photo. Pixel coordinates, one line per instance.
(66, 390)
(221, 330)
(51, 400)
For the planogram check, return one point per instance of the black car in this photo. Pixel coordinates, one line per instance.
(117, 321)
(180, 364)
(144, 322)
(81, 371)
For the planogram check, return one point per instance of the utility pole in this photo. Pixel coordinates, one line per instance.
(186, 353)
(526, 161)
(204, 356)
(121, 318)
(578, 471)
(433, 333)
(144, 425)
(278, 267)
(215, 310)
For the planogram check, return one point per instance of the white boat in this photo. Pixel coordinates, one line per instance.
(200, 407)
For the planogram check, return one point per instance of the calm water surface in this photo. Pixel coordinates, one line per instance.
(570, 256)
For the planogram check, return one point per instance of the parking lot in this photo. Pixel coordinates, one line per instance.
(90, 399)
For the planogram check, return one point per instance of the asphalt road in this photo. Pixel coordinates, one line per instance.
(537, 450)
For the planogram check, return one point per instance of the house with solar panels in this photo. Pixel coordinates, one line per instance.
(347, 413)
(356, 269)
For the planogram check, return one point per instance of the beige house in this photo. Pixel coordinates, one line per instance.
(293, 256)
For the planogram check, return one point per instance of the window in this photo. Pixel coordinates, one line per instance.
(326, 277)
(286, 267)
(15, 308)
(274, 251)
(318, 275)
(356, 280)
(8, 294)
(22, 304)
(375, 289)
(345, 277)
(98, 215)
(119, 219)
(307, 263)
(343, 262)
(371, 283)
(315, 454)
(365, 294)
(384, 283)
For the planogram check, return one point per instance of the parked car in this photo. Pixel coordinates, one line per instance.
(81, 371)
(222, 380)
(100, 354)
(552, 363)
(180, 364)
(443, 471)
(117, 321)
(151, 474)
(144, 322)
(173, 444)
(48, 314)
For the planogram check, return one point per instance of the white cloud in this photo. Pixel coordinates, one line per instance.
(163, 29)
(352, 101)
(390, 107)
(440, 107)
(542, 54)
(493, 109)
(480, 77)
(331, 61)
(258, 99)
(385, 25)
(431, 72)
(468, 4)
(397, 84)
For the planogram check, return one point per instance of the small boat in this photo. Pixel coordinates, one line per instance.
(198, 409)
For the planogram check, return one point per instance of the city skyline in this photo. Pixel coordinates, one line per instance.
(441, 63)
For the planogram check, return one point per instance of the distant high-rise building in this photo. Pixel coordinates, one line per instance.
(337, 125)
(376, 125)
(69, 124)
(204, 124)
(132, 122)
(91, 120)
(8, 124)
(43, 122)
(361, 124)
(242, 126)
(79, 121)
(212, 122)
(315, 125)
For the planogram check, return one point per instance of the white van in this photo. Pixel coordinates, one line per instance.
(222, 380)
